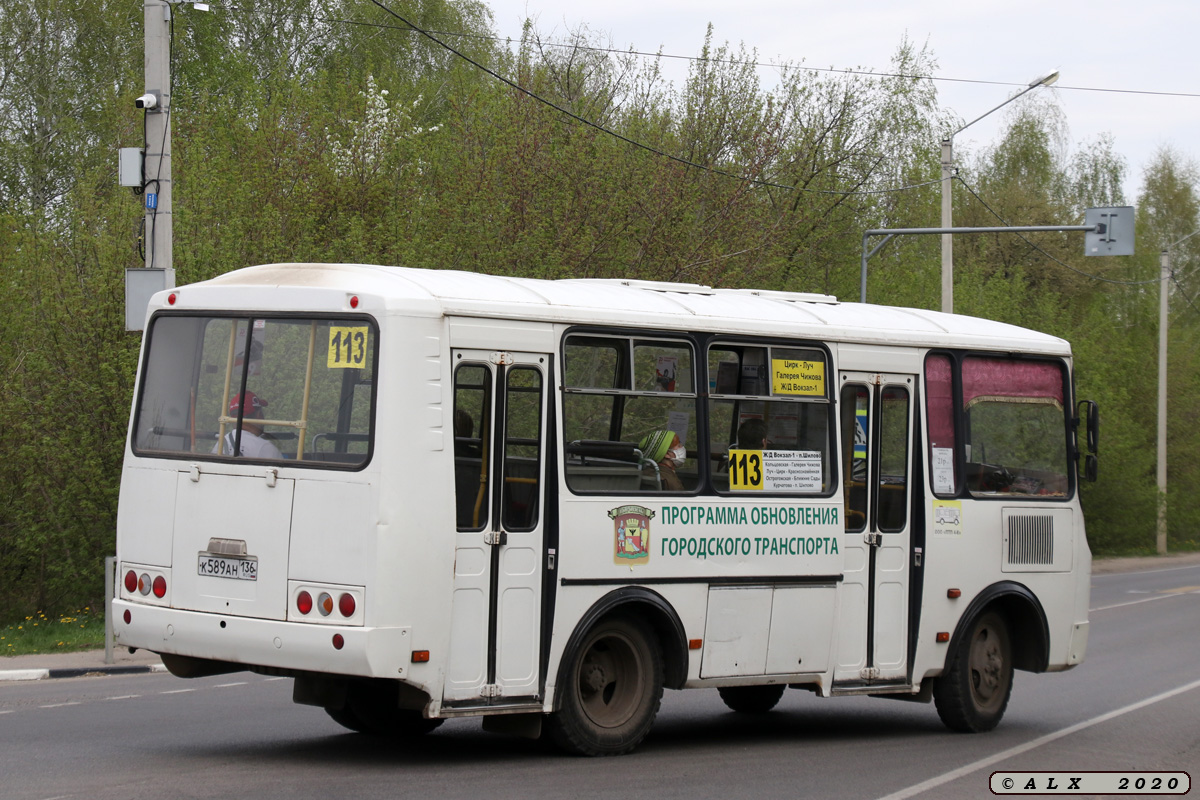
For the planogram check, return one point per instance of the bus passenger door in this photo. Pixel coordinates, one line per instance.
(499, 421)
(876, 425)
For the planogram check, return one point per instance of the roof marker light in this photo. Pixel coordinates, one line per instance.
(171, 299)
(354, 301)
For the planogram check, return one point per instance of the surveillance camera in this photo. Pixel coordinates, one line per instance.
(147, 101)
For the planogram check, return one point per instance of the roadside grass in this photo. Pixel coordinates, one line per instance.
(63, 633)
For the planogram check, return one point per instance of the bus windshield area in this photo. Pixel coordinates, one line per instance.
(296, 389)
(1011, 424)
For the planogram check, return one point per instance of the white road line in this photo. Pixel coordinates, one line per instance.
(1142, 572)
(60, 705)
(227, 685)
(7, 711)
(267, 680)
(178, 691)
(123, 697)
(1143, 600)
(983, 763)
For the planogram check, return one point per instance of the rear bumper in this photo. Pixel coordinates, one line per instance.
(366, 652)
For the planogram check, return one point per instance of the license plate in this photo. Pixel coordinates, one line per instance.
(242, 569)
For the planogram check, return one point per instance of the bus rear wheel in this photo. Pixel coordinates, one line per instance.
(371, 708)
(752, 699)
(973, 693)
(612, 691)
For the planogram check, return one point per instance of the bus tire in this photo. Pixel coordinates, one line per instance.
(612, 690)
(752, 699)
(371, 709)
(972, 694)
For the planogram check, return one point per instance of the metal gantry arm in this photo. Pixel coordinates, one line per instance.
(890, 232)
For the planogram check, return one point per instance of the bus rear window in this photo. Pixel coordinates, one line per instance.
(258, 389)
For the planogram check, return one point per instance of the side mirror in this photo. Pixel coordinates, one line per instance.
(1091, 468)
(1091, 416)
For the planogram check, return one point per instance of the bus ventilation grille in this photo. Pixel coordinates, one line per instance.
(1030, 539)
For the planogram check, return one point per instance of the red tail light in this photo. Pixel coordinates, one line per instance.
(160, 587)
(338, 641)
(346, 605)
(131, 581)
(304, 602)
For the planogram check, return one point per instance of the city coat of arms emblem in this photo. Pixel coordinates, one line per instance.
(631, 527)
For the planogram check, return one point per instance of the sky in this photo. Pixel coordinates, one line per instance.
(1149, 46)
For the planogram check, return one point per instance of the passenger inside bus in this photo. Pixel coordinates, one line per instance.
(254, 444)
(752, 435)
(667, 452)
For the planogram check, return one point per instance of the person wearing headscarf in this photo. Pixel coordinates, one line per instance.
(664, 448)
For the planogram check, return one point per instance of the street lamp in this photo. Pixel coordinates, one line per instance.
(947, 169)
(1163, 294)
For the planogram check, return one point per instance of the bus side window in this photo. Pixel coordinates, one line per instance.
(522, 448)
(893, 459)
(855, 429)
(472, 415)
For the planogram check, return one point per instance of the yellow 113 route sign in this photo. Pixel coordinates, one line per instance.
(347, 347)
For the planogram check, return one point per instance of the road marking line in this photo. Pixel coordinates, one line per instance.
(9, 711)
(1142, 572)
(1143, 600)
(60, 705)
(265, 680)
(178, 691)
(123, 697)
(983, 763)
(227, 685)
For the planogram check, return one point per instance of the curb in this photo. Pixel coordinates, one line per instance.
(76, 672)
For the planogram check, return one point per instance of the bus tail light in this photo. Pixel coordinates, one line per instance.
(145, 584)
(325, 603)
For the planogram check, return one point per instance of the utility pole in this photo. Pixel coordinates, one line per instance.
(157, 175)
(1163, 292)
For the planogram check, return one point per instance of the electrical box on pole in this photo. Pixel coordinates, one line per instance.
(1113, 235)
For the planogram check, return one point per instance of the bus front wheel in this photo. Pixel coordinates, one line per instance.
(973, 692)
(752, 699)
(612, 691)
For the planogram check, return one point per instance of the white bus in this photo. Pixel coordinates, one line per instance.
(428, 494)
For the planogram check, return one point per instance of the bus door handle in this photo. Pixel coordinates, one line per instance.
(496, 538)
(871, 538)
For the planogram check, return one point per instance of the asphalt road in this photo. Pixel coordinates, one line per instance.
(1132, 705)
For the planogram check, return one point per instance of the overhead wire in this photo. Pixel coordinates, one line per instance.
(411, 27)
(633, 142)
(766, 64)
